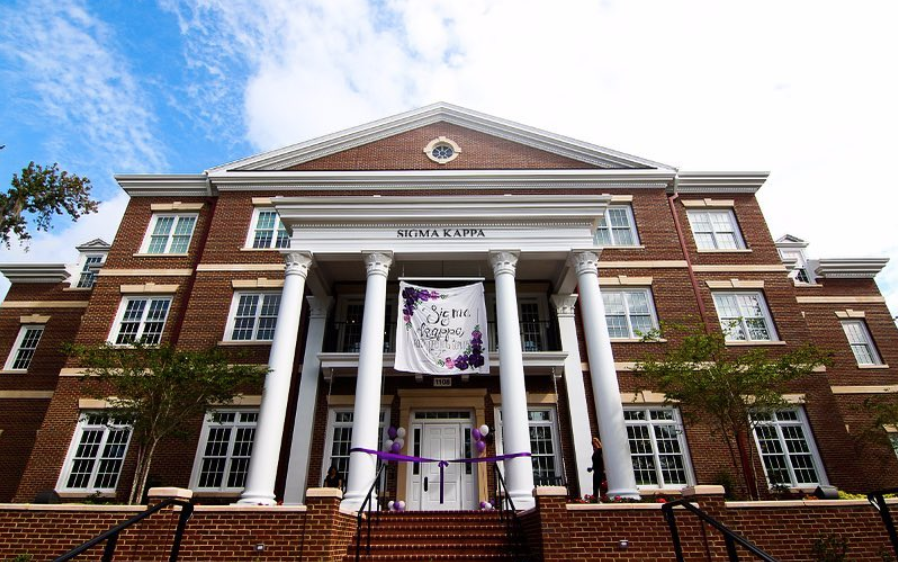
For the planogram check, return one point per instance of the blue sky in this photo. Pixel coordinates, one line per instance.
(802, 89)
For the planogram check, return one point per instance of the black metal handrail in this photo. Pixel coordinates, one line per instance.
(368, 502)
(514, 530)
(729, 537)
(111, 536)
(877, 500)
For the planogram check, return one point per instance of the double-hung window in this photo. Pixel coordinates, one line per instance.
(657, 447)
(25, 346)
(861, 343)
(169, 234)
(544, 447)
(226, 445)
(787, 450)
(253, 316)
(339, 440)
(715, 229)
(267, 231)
(617, 227)
(88, 275)
(96, 455)
(629, 312)
(140, 318)
(744, 316)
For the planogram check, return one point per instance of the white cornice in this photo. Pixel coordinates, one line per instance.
(292, 155)
(34, 272)
(835, 268)
(149, 185)
(720, 182)
(441, 179)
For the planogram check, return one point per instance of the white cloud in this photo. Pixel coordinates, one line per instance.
(58, 245)
(85, 96)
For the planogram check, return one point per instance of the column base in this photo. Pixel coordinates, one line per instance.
(352, 501)
(250, 498)
(522, 500)
(624, 493)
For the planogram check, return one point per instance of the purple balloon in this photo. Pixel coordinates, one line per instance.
(475, 433)
(395, 448)
(480, 446)
(391, 432)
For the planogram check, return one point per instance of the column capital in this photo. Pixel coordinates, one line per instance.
(564, 305)
(584, 261)
(319, 307)
(504, 261)
(298, 263)
(378, 262)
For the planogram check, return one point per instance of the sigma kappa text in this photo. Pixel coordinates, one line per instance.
(441, 233)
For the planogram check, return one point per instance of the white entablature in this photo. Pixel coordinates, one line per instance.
(336, 226)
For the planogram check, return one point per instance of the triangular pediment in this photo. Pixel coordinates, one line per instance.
(398, 142)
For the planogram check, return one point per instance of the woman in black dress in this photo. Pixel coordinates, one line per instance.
(333, 479)
(598, 470)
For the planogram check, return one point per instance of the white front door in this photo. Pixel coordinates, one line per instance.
(439, 439)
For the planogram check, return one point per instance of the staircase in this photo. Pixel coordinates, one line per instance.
(437, 536)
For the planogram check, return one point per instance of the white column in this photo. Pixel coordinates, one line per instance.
(366, 414)
(515, 421)
(263, 464)
(301, 447)
(565, 306)
(605, 388)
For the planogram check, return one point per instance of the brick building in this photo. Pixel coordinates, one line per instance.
(580, 250)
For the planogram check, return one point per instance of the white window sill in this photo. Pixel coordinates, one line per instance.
(142, 255)
(754, 343)
(86, 494)
(637, 340)
(883, 366)
(14, 372)
(637, 247)
(232, 343)
(726, 251)
(262, 249)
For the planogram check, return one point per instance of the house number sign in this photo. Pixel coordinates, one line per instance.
(442, 381)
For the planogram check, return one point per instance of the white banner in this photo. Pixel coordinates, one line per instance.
(441, 331)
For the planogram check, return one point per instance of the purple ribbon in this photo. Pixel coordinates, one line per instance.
(383, 455)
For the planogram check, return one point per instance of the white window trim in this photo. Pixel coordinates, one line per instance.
(493, 322)
(148, 236)
(765, 313)
(652, 312)
(11, 358)
(329, 438)
(812, 447)
(874, 351)
(75, 280)
(232, 316)
(120, 314)
(553, 415)
(634, 232)
(681, 435)
(250, 235)
(740, 241)
(73, 448)
(201, 449)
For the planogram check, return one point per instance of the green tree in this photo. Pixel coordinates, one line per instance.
(730, 390)
(39, 194)
(159, 390)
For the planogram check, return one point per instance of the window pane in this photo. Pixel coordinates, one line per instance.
(27, 347)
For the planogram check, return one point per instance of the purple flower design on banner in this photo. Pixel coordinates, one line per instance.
(472, 357)
(412, 297)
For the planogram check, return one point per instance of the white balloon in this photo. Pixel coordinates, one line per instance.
(401, 442)
(388, 444)
(488, 506)
(390, 505)
(484, 430)
(401, 504)
(400, 433)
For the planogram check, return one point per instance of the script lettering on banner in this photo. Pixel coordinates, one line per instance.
(441, 331)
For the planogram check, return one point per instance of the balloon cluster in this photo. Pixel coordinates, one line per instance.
(486, 506)
(479, 434)
(396, 506)
(396, 440)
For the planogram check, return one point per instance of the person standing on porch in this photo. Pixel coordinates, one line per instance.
(598, 470)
